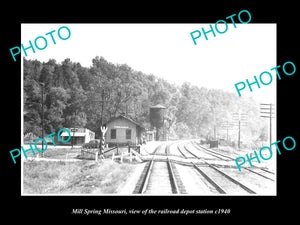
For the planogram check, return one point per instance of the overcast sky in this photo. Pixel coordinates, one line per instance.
(168, 51)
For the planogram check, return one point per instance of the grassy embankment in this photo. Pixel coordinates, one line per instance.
(82, 177)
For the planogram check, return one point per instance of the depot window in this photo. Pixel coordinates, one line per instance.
(113, 134)
(128, 134)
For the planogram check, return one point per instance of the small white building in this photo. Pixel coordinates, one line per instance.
(79, 136)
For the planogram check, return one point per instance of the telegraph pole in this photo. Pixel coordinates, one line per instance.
(227, 126)
(266, 111)
(42, 85)
(239, 137)
(241, 120)
(102, 132)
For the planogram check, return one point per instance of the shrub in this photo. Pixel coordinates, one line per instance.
(91, 144)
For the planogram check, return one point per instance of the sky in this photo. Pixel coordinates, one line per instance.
(168, 51)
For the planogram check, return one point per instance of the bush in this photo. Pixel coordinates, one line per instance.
(91, 144)
(30, 137)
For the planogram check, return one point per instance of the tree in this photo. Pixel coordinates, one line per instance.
(32, 97)
(73, 98)
(54, 114)
(47, 74)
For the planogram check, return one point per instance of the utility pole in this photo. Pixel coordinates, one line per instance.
(42, 85)
(239, 137)
(74, 129)
(102, 129)
(226, 126)
(214, 123)
(267, 111)
(241, 120)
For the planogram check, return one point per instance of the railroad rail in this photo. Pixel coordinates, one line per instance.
(213, 153)
(209, 151)
(160, 176)
(219, 180)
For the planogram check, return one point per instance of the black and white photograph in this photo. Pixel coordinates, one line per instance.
(132, 113)
(140, 109)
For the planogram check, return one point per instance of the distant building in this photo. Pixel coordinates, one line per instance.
(79, 136)
(123, 130)
(150, 135)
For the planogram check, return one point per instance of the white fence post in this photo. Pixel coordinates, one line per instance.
(121, 157)
(113, 157)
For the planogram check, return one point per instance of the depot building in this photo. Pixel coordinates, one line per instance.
(122, 130)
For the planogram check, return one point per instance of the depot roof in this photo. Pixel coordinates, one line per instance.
(126, 118)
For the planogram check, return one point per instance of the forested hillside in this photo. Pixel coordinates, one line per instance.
(73, 94)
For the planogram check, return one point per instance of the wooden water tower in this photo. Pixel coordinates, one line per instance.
(157, 115)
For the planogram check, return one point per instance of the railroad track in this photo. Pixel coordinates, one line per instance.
(185, 153)
(164, 149)
(160, 150)
(263, 172)
(160, 176)
(213, 153)
(222, 182)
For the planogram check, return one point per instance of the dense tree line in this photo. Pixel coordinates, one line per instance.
(73, 97)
